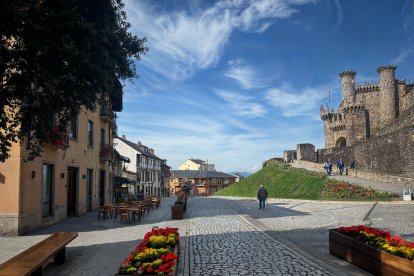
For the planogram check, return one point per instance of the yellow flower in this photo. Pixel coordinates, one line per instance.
(131, 269)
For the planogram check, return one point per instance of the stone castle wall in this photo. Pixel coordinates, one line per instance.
(311, 166)
(373, 128)
(306, 152)
(366, 109)
(388, 154)
(289, 156)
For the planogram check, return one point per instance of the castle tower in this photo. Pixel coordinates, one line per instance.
(348, 87)
(387, 92)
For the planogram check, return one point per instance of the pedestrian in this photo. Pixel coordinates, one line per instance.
(328, 167)
(340, 166)
(261, 196)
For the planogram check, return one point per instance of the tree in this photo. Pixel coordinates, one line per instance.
(57, 56)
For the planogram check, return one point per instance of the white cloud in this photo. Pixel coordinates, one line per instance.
(291, 103)
(246, 76)
(340, 14)
(242, 105)
(407, 21)
(181, 136)
(181, 43)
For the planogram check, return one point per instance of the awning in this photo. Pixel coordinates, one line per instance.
(119, 180)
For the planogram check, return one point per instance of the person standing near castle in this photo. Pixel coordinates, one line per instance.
(328, 167)
(340, 166)
(261, 196)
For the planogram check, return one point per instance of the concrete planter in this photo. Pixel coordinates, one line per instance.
(177, 211)
(173, 273)
(371, 259)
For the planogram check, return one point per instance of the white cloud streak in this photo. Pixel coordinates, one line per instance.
(246, 76)
(242, 105)
(181, 43)
(407, 21)
(304, 102)
(340, 14)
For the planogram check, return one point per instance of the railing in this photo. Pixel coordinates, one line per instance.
(106, 152)
(106, 114)
(59, 138)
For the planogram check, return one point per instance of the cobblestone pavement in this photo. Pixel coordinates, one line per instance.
(101, 245)
(223, 243)
(305, 224)
(225, 236)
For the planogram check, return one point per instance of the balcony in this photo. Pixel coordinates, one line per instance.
(59, 138)
(106, 153)
(106, 113)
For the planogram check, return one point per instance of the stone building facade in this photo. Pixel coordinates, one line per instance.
(366, 110)
(373, 127)
(67, 180)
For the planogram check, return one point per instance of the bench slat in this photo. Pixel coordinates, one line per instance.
(29, 260)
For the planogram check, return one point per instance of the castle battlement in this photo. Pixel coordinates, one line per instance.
(372, 128)
(366, 108)
(364, 88)
(386, 67)
(347, 73)
(353, 108)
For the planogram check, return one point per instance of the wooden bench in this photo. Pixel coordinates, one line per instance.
(30, 261)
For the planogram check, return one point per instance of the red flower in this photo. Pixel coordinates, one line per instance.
(170, 257)
(149, 269)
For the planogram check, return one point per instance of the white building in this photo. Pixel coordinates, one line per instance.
(143, 163)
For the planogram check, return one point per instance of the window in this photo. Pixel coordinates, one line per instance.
(47, 190)
(74, 127)
(90, 133)
(29, 139)
(89, 184)
(102, 136)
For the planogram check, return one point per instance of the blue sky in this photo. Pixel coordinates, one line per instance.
(238, 82)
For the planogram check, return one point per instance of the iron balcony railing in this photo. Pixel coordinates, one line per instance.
(106, 152)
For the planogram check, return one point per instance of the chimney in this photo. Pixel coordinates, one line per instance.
(123, 137)
(139, 143)
(151, 151)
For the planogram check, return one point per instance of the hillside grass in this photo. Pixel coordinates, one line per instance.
(292, 183)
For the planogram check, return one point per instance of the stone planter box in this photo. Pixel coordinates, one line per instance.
(177, 211)
(173, 273)
(371, 259)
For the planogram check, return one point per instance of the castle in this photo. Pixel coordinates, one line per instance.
(373, 126)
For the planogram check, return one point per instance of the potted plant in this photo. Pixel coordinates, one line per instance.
(177, 210)
(376, 251)
(186, 188)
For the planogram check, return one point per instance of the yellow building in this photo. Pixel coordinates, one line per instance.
(65, 181)
(196, 165)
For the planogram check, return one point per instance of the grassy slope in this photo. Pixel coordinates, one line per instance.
(279, 183)
(299, 184)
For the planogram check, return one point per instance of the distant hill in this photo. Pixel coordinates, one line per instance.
(245, 174)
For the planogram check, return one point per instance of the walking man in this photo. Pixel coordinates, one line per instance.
(328, 167)
(261, 196)
(340, 166)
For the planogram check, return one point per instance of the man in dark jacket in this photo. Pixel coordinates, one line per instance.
(261, 196)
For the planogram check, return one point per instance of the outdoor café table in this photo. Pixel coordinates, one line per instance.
(117, 207)
(108, 209)
(134, 211)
